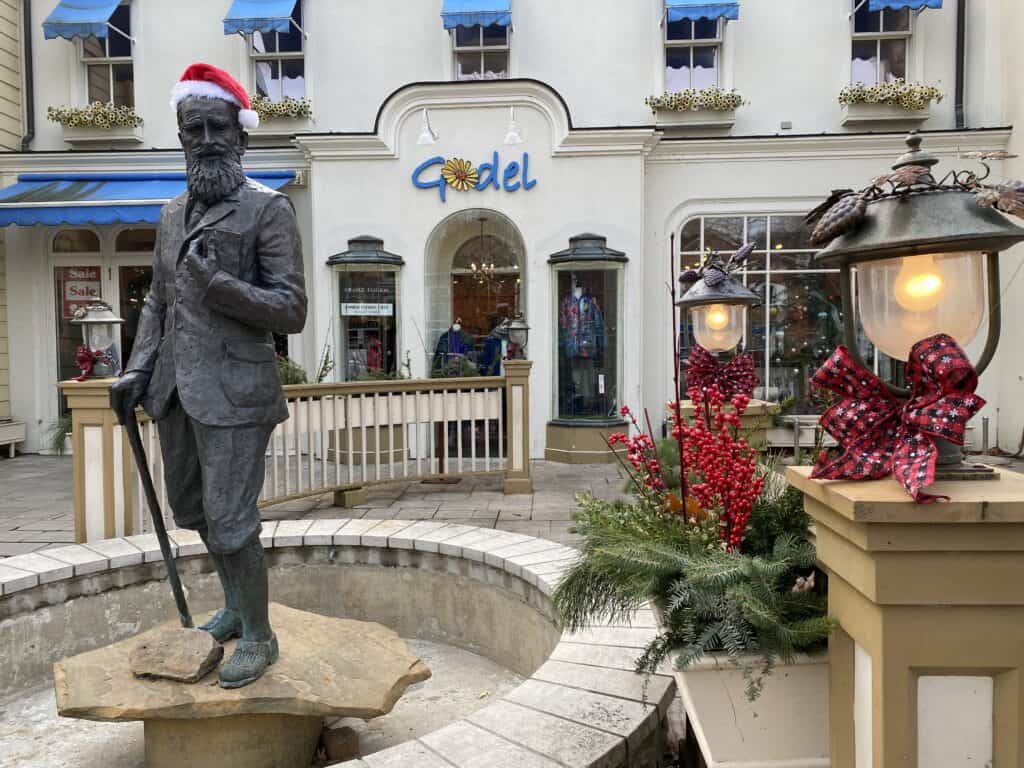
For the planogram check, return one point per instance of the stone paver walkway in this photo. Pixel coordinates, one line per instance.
(36, 504)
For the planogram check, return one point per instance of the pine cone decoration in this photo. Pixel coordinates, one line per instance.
(845, 215)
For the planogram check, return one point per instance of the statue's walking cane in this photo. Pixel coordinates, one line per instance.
(131, 427)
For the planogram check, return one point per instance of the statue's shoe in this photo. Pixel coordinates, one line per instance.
(248, 663)
(224, 625)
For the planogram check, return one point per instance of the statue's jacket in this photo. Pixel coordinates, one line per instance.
(214, 343)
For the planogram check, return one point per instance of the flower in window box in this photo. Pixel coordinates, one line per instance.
(909, 96)
(460, 174)
(712, 99)
(286, 108)
(95, 115)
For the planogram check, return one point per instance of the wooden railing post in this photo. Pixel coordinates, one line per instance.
(517, 399)
(102, 463)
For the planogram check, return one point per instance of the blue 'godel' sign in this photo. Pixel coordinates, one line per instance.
(462, 175)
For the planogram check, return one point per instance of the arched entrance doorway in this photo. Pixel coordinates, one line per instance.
(475, 280)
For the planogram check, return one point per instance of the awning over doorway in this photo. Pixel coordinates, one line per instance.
(896, 5)
(79, 18)
(248, 16)
(100, 198)
(466, 13)
(679, 10)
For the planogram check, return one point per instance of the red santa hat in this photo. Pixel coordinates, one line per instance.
(209, 82)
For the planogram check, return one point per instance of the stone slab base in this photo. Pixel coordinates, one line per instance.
(242, 741)
(352, 497)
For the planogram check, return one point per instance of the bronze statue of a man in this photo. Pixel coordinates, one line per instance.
(227, 273)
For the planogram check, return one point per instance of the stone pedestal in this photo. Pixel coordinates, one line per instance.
(243, 741)
(927, 668)
(328, 668)
(754, 423)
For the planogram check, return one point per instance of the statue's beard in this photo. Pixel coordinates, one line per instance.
(212, 178)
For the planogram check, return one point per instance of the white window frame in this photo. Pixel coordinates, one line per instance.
(716, 42)
(481, 50)
(108, 61)
(255, 57)
(878, 37)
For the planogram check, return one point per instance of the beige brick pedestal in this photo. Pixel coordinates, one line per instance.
(927, 668)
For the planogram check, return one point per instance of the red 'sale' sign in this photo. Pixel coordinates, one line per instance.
(79, 287)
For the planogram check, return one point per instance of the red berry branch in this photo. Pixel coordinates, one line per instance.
(726, 463)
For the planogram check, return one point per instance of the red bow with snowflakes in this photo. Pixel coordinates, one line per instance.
(736, 377)
(880, 434)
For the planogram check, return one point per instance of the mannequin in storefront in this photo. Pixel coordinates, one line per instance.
(581, 334)
(454, 349)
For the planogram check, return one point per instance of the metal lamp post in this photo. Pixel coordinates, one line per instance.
(99, 334)
(926, 258)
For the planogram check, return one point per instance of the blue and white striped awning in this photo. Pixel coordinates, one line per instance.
(896, 5)
(79, 18)
(679, 10)
(466, 13)
(266, 16)
(100, 198)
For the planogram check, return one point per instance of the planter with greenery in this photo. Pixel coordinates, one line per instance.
(59, 434)
(708, 107)
(894, 101)
(97, 123)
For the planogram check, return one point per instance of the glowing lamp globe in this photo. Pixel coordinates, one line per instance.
(718, 311)
(924, 260)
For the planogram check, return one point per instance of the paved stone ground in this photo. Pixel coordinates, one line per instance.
(36, 504)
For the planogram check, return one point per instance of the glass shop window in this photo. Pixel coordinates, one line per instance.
(109, 71)
(881, 40)
(133, 281)
(481, 52)
(367, 321)
(693, 50)
(587, 311)
(278, 61)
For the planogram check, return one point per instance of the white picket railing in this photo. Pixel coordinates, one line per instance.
(338, 437)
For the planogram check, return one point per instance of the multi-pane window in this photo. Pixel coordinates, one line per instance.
(692, 54)
(109, 73)
(799, 322)
(481, 52)
(881, 40)
(279, 67)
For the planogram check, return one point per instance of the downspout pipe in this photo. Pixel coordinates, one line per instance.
(30, 101)
(961, 29)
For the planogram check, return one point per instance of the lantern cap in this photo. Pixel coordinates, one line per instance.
(923, 223)
(715, 283)
(908, 212)
(96, 313)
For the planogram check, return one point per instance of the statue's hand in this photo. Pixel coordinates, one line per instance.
(201, 266)
(127, 392)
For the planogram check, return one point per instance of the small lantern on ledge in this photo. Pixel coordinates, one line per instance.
(518, 336)
(926, 257)
(97, 357)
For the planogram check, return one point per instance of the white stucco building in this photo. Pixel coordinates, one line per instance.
(554, 91)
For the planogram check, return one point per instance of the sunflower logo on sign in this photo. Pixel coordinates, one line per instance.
(460, 174)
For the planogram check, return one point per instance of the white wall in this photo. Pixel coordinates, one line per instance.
(789, 59)
(600, 192)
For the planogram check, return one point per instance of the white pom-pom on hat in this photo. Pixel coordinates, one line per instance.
(206, 81)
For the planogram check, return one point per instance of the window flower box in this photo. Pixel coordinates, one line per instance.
(707, 108)
(98, 124)
(91, 136)
(859, 114)
(895, 102)
(283, 118)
